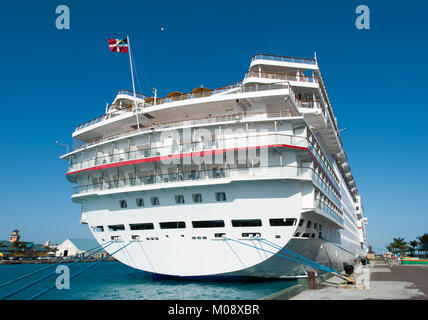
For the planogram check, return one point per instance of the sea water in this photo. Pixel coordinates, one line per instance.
(112, 280)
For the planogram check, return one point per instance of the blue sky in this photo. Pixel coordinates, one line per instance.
(52, 80)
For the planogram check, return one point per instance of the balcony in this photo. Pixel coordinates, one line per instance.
(192, 178)
(318, 181)
(323, 209)
(148, 151)
(275, 62)
(247, 116)
(258, 75)
(123, 121)
(235, 88)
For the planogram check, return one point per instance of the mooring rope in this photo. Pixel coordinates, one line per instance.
(277, 254)
(309, 262)
(47, 267)
(334, 244)
(298, 256)
(48, 275)
(76, 274)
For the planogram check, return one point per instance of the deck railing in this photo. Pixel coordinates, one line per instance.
(179, 123)
(328, 183)
(283, 59)
(321, 183)
(280, 76)
(324, 207)
(249, 172)
(235, 88)
(148, 151)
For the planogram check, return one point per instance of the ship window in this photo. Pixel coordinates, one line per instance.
(197, 197)
(99, 229)
(208, 224)
(141, 226)
(320, 227)
(305, 235)
(136, 237)
(312, 235)
(282, 222)
(315, 225)
(116, 227)
(123, 204)
(155, 201)
(220, 196)
(320, 235)
(173, 225)
(297, 234)
(247, 223)
(301, 222)
(219, 235)
(140, 202)
(309, 224)
(179, 198)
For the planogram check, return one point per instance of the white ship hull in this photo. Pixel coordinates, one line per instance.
(186, 253)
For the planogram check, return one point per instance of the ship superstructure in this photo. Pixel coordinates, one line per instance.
(259, 159)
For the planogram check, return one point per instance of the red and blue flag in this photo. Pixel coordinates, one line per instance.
(117, 45)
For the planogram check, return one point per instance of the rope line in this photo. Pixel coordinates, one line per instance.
(338, 246)
(288, 251)
(305, 260)
(76, 274)
(44, 268)
(280, 255)
(48, 275)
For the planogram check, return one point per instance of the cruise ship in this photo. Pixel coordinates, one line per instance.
(221, 182)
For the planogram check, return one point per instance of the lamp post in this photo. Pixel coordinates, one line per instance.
(64, 145)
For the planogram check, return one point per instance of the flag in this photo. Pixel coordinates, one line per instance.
(117, 45)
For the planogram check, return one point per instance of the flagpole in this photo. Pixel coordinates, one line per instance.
(130, 63)
(133, 85)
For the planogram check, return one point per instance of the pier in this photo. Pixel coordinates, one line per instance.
(379, 280)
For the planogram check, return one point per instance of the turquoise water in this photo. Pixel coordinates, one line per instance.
(113, 280)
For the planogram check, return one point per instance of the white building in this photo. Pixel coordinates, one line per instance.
(79, 247)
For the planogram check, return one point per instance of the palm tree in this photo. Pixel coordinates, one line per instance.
(400, 245)
(413, 244)
(423, 239)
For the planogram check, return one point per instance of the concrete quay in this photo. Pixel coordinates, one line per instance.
(380, 280)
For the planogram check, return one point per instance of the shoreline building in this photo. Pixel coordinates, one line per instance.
(16, 248)
(78, 248)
